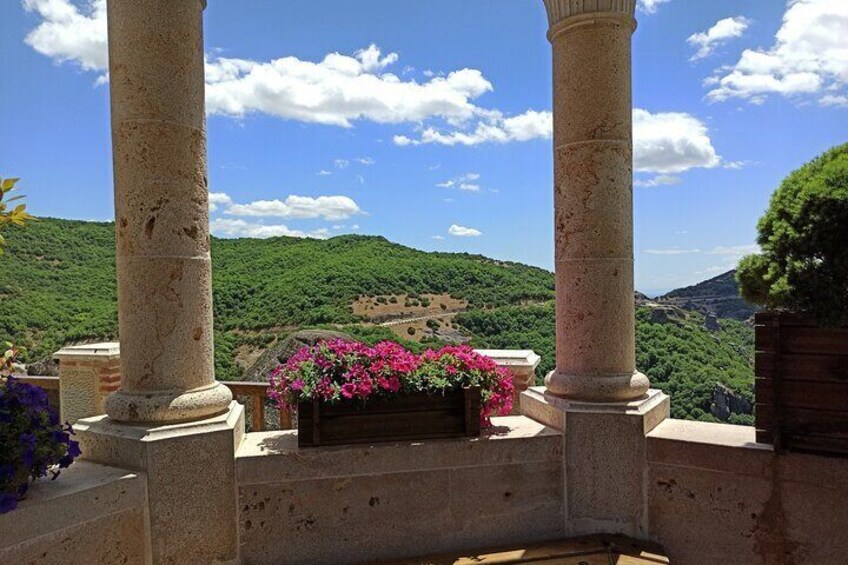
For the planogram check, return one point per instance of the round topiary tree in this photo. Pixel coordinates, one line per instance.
(803, 266)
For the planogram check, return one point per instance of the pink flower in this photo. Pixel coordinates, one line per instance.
(349, 390)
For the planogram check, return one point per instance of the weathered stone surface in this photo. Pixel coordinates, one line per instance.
(396, 500)
(593, 162)
(716, 496)
(92, 515)
(88, 375)
(191, 480)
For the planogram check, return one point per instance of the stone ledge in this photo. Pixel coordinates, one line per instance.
(82, 493)
(273, 457)
(733, 449)
(704, 445)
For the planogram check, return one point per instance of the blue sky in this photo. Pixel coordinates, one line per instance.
(428, 122)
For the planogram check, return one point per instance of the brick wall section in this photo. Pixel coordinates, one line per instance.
(87, 375)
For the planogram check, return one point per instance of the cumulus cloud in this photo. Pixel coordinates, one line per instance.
(650, 6)
(338, 90)
(733, 253)
(808, 58)
(219, 199)
(231, 228)
(663, 142)
(722, 32)
(671, 142)
(493, 127)
(70, 32)
(299, 207)
(462, 231)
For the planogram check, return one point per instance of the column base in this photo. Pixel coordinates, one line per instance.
(191, 480)
(620, 387)
(605, 458)
(169, 407)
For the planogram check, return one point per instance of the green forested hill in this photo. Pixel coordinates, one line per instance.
(57, 285)
(57, 281)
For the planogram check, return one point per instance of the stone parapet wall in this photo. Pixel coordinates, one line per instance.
(92, 515)
(716, 496)
(367, 503)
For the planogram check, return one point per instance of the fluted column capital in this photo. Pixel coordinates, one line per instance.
(563, 14)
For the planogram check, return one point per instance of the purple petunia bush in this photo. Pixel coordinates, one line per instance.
(32, 441)
(337, 370)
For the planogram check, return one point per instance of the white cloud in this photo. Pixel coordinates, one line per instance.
(737, 165)
(650, 6)
(219, 199)
(664, 142)
(70, 32)
(672, 251)
(341, 163)
(367, 161)
(463, 182)
(324, 173)
(722, 32)
(733, 252)
(228, 227)
(338, 90)
(355, 227)
(659, 180)
(300, 207)
(834, 100)
(671, 142)
(736, 251)
(492, 127)
(808, 57)
(438, 238)
(462, 231)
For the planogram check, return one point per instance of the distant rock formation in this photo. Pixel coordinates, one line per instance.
(726, 402)
(711, 322)
(281, 351)
(664, 314)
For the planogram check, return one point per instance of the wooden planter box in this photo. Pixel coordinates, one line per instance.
(402, 418)
(801, 386)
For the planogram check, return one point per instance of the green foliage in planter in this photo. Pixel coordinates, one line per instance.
(803, 266)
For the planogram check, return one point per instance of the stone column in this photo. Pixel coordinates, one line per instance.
(593, 159)
(156, 72)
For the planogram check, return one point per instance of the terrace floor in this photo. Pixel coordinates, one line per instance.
(590, 550)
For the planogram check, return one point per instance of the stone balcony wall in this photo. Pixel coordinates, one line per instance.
(713, 496)
(716, 496)
(360, 504)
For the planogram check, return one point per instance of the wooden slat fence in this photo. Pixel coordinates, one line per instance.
(801, 386)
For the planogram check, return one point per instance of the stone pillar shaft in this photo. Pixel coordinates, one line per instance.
(593, 161)
(156, 70)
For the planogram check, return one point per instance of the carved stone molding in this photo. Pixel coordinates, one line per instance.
(559, 10)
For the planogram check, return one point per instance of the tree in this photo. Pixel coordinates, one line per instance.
(803, 266)
(16, 216)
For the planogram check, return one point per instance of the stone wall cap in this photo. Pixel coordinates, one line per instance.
(84, 492)
(512, 357)
(105, 349)
(274, 457)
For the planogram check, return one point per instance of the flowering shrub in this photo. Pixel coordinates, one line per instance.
(339, 370)
(32, 442)
(460, 366)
